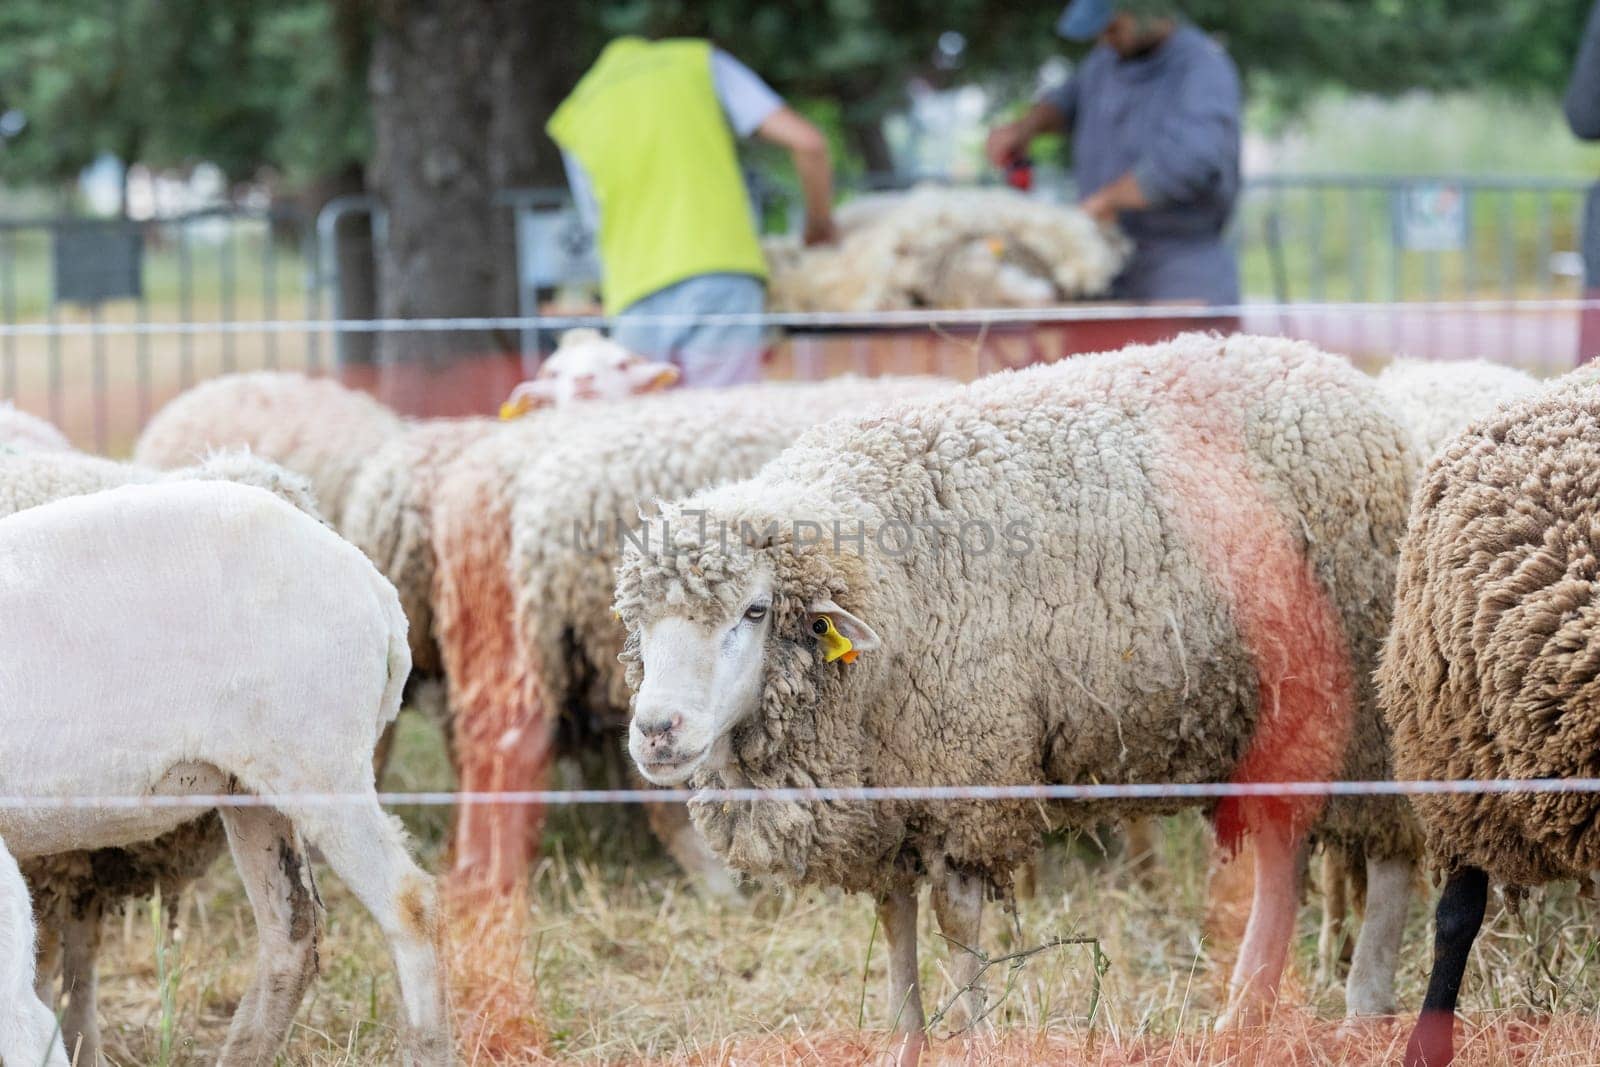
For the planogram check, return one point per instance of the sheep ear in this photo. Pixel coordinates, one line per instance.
(525, 397)
(647, 377)
(862, 637)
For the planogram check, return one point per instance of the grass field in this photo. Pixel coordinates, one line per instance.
(616, 960)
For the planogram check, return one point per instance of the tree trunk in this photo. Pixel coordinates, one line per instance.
(430, 111)
(541, 56)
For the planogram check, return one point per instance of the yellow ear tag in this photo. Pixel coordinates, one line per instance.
(835, 645)
(509, 411)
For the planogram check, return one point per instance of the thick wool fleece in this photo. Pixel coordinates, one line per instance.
(21, 430)
(1125, 636)
(522, 610)
(1437, 399)
(1493, 666)
(388, 514)
(313, 426)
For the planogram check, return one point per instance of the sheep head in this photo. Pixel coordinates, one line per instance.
(735, 631)
(587, 366)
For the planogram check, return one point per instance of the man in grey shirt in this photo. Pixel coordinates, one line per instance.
(1153, 115)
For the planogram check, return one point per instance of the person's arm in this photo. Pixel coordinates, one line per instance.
(1053, 112)
(1193, 147)
(582, 192)
(753, 108)
(812, 162)
(1582, 102)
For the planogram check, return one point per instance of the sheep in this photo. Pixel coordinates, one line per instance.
(1187, 556)
(284, 652)
(313, 426)
(1489, 669)
(588, 366)
(948, 248)
(522, 612)
(1438, 399)
(21, 430)
(1435, 400)
(72, 891)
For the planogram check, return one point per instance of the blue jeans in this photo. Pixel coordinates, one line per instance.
(706, 354)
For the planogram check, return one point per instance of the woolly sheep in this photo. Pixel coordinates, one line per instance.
(72, 891)
(21, 430)
(1489, 671)
(1437, 399)
(504, 523)
(284, 653)
(313, 426)
(1198, 594)
(948, 248)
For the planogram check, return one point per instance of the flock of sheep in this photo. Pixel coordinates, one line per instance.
(1211, 560)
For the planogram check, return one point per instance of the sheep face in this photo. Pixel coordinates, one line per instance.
(587, 366)
(705, 673)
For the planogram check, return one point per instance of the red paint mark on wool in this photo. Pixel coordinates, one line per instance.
(1284, 616)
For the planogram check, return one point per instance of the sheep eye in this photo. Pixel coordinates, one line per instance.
(755, 612)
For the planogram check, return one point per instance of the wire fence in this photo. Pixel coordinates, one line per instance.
(1099, 791)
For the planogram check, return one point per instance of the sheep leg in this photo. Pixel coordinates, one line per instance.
(1335, 909)
(367, 850)
(1370, 990)
(897, 915)
(670, 823)
(277, 879)
(494, 842)
(48, 957)
(1268, 932)
(1139, 846)
(80, 1028)
(958, 905)
(1456, 924)
(27, 1029)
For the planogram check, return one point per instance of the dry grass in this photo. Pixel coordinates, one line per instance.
(630, 966)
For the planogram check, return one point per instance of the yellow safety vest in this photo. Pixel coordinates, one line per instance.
(646, 124)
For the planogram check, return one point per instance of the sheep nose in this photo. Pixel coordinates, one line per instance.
(584, 379)
(656, 729)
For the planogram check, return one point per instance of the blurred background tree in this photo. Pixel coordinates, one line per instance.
(435, 105)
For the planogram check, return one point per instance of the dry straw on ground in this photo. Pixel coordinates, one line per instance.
(618, 962)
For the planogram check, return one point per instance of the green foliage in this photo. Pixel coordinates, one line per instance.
(281, 84)
(244, 85)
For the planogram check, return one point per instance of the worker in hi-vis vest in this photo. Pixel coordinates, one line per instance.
(648, 141)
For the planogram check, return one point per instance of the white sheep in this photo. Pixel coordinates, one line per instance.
(948, 248)
(72, 891)
(1166, 564)
(1437, 398)
(21, 430)
(313, 426)
(587, 366)
(283, 654)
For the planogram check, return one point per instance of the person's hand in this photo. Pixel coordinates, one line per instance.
(1005, 143)
(1098, 206)
(820, 231)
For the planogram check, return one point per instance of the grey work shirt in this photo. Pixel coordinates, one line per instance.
(1171, 116)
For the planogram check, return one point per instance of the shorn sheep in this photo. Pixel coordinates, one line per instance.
(21, 430)
(1168, 564)
(948, 248)
(72, 891)
(283, 652)
(1491, 671)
